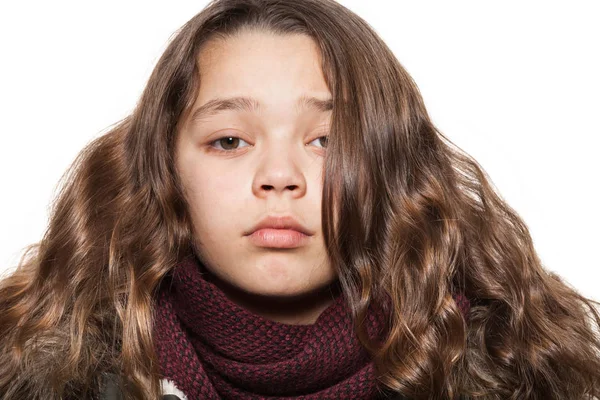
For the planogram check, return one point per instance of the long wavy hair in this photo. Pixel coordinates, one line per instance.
(416, 219)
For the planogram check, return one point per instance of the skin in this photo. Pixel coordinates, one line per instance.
(274, 167)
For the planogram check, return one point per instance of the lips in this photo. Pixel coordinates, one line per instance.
(278, 238)
(279, 232)
(280, 222)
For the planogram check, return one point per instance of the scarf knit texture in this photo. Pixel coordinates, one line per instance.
(211, 348)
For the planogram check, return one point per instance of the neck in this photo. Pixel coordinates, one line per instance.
(303, 309)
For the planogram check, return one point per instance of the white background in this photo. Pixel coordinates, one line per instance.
(516, 84)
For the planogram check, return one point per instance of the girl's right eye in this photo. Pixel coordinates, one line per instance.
(227, 143)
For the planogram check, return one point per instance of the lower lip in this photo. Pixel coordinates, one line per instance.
(278, 238)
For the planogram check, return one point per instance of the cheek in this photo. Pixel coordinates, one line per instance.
(216, 199)
(206, 183)
(212, 196)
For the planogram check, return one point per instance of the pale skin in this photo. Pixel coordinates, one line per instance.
(238, 166)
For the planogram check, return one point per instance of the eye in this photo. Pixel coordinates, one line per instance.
(226, 143)
(323, 139)
(230, 143)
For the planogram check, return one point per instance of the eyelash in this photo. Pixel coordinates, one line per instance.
(211, 144)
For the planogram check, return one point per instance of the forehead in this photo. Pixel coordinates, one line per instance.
(275, 69)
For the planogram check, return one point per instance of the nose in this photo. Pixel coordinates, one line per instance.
(279, 173)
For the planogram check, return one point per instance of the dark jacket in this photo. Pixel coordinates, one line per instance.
(111, 391)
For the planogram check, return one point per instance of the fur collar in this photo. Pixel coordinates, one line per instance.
(169, 388)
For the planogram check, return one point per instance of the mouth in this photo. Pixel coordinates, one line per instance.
(278, 238)
(279, 231)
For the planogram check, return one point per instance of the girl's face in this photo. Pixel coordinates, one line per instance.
(241, 163)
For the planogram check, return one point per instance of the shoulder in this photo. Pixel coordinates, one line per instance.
(111, 390)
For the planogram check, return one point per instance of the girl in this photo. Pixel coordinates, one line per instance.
(279, 218)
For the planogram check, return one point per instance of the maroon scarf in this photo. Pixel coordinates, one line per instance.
(211, 348)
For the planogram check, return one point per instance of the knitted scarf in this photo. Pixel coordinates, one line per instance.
(211, 348)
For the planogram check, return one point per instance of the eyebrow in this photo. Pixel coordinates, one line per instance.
(250, 104)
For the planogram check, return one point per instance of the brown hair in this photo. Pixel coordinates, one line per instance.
(418, 219)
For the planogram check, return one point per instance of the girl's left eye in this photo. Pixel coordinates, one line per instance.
(324, 144)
